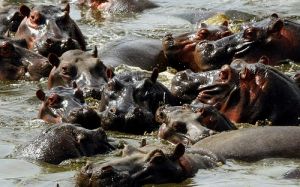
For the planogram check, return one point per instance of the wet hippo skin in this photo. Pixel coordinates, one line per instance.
(65, 141)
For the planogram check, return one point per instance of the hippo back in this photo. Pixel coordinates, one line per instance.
(143, 53)
(255, 143)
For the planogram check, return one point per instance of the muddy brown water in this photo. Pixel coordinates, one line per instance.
(18, 104)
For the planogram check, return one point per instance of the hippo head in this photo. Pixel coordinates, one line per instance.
(63, 104)
(10, 21)
(44, 22)
(212, 32)
(138, 169)
(129, 101)
(187, 125)
(86, 69)
(47, 45)
(213, 54)
(185, 83)
(16, 61)
(250, 92)
(60, 142)
(11, 68)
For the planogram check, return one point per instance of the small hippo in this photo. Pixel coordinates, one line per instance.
(119, 6)
(179, 51)
(129, 101)
(85, 68)
(16, 62)
(45, 22)
(62, 104)
(65, 141)
(158, 166)
(132, 51)
(187, 125)
(249, 92)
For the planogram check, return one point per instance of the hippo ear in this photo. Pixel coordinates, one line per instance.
(154, 74)
(225, 23)
(264, 60)
(95, 52)
(274, 15)
(109, 73)
(67, 8)
(178, 152)
(53, 59)
(203, 25)
(25, 10)
(276, 27)
(41, 95)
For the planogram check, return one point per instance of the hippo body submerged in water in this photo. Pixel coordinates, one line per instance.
(65, 141)
(158, 166)
(249, 92)
(187, 125)
(119, 6)
(19, 63)
(48, 28)
(140, 52)
(129, 101)
(66, 104)
(179, 50)
(273, 37)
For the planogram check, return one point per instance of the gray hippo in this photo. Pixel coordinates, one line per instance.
(65, 141)
(18, 63)
(45, 23)
(186, 124)
(85, 68)
(141, 52)
(118, 6)
(158, 166)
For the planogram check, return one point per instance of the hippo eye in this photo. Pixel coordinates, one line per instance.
(245, 74)
(250, 33)
(203, 33)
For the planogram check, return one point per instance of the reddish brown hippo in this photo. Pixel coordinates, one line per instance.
(65, 104)
(273, 37)
(249, 92)
(179, 50)
(157, 165)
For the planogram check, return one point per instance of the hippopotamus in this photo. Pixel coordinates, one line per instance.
(187, 125)
(19, 63)
(85, 68)
(159, 166)
(249, 92)
(10, 19)
(179, 50)
(45, 23)
(186, 84)
(129, 101)
(119, 6)
(66, 104)
(65, 141)
(141, 52)
(273, 37)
